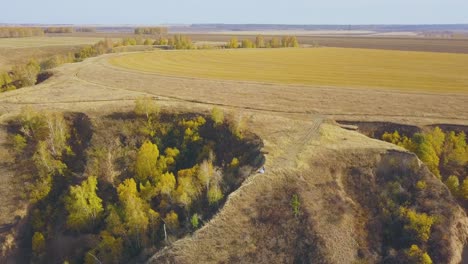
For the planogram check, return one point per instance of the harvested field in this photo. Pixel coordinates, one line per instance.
(331, 67)
(15, 43)
(365, 42)
(15, 51)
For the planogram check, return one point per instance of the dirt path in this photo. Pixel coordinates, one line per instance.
(309, 133)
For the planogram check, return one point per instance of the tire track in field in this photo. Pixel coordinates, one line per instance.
(289, 158)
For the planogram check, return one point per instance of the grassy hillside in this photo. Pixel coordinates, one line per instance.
(358, 68)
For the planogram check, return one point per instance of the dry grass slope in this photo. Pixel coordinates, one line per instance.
(354, 68)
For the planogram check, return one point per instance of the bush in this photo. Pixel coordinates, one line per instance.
(419, 224)
(217, 115)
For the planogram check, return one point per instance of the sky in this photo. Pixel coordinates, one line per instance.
(152, 12)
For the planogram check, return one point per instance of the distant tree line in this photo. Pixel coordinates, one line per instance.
(20, 32)
(59, 30)
(151, 30)
(85, 29)
(260, 42)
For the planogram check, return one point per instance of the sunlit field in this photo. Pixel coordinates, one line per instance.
(339, 67)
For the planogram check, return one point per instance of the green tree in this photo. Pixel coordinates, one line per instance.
(217, 115)
(453, 184)
(146, 162)
(194, 221)
(83, 205)
(295, 204)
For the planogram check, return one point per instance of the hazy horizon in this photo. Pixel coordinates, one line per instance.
(294, 12)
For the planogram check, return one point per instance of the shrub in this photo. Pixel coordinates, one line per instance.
(217, 115)
(38, 243)
(295, 205)
(419, 224)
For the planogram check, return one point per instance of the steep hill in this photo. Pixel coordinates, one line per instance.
(340, 181)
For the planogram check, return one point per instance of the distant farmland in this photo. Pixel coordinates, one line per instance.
(339, 67)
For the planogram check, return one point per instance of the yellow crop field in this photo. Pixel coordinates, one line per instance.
(339, 67)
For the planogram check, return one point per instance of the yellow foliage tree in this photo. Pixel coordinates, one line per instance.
(83, 204)
(217, 115)
(172, 220)
(38, 243)
(416, 255)
(233, 43)
(419, 224)
(146, 162)
(453, 184)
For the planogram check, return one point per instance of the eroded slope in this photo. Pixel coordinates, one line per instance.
(342, 182)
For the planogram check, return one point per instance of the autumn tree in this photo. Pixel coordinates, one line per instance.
(172, 220)
(146, 162)
(436, 138)
(233, 43)
(6, 82)
(83, 205)
(109, 249)
(426, 152)
(259, 41)
(217, 115)
(46, 167)
(417, 223)
(187, 186)
(453, 184)
(38, 244)
(26, 75)
(464, 189)
(417, 255)
(135, 211)
(247, 44)
(147, 107)
(206, 174)
(275, 43)
(58, 133)
(214, 194)
(455, 149)
(166, 184)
